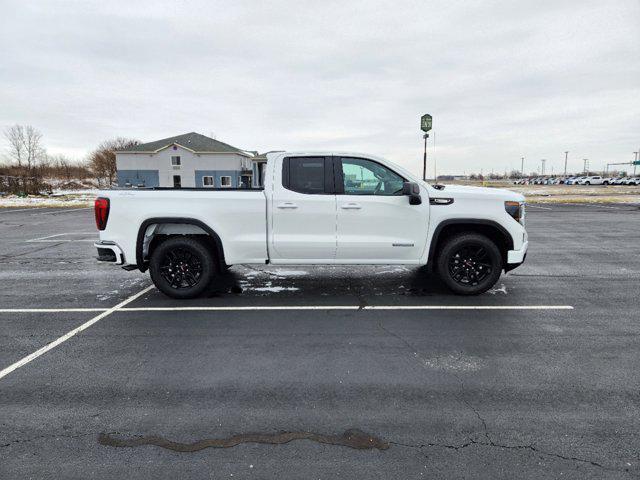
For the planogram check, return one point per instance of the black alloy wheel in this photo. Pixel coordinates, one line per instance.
(469, 263)
(182, 267)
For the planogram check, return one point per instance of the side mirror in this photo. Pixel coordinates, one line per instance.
(412, 190)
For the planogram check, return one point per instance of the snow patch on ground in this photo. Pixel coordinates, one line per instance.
(103, 297)
(289, 273)
(392, 270)
(277, 289)
(59, 198)
(502, 289)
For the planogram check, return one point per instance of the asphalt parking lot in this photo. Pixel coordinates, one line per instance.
(323, 373)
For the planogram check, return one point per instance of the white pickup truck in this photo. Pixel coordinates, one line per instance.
(324, 208)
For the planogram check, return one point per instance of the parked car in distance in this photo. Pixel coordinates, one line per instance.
(591, 180)
(608, 180)
(619, 181)
(315, 209)
(633, 181)
(573, 180)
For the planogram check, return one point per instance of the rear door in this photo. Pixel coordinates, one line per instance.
(304, 211)
(375, 222)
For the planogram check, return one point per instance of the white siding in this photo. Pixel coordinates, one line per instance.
(191, 162)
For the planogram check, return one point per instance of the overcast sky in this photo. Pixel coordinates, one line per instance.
(502, 79)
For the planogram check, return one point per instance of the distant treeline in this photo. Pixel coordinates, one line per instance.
(27, 168)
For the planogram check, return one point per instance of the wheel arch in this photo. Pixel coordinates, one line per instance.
(447, 228)
(207, 231)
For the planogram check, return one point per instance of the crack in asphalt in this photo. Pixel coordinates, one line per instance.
(490, 442)
(51, 245)
(531, 448)
(352, 438)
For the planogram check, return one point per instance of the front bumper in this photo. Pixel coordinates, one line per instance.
(515, 258)
(109, 252)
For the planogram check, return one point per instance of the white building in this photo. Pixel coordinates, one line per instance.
(189, 160)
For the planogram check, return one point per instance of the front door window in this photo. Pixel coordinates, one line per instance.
(366, 177)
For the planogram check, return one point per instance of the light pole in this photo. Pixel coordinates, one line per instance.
(522, 166)
(424, 158)
(586, 165)
(426, 122)
(544, 160)
(566, 156)
(635, 161)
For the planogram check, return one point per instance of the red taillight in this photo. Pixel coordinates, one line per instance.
(101, 210)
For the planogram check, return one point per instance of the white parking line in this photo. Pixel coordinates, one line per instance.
(11, 210)
(68, 335)
(51, 310)
(48, 238)
(606, 206)
(538, 206)
(348, 307)
(64, 210)
(288, 307)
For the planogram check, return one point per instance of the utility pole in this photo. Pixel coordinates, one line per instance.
(544, 160)
(586, 165)
(522, 167)
(566, 156)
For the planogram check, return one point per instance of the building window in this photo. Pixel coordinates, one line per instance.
(225, 181)
(207, 181)
(175, 160)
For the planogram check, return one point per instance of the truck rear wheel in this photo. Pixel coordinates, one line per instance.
(469, 264)
(182, 267)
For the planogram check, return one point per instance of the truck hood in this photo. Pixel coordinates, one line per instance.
(464, 191)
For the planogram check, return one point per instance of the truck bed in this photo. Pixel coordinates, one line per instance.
(238, 216)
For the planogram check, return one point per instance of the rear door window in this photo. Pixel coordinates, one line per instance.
(311, 175)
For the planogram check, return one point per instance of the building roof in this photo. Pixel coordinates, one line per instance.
(263, 156)
(192, 141)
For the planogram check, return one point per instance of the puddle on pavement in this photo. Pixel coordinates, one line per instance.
(352, 438)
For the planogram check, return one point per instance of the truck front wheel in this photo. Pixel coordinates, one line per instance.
(182, 267)
(469, 263)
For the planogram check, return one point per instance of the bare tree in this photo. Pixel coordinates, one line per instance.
(27, 157)
(61, 167)
(102, 160)
(25, 146)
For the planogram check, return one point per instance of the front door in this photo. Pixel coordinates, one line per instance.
(177, 181)
(375, 222)
(304, 212)
(245, 181)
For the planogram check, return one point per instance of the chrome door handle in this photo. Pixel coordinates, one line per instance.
(351, 206)
(287, 205)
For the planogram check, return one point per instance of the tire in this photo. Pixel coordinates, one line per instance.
(473, 248)
(182, 267)
(587, 183)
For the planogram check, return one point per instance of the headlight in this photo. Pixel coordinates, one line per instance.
(516, 210)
